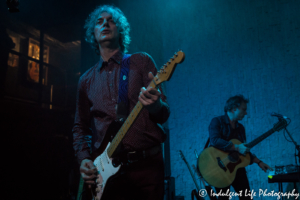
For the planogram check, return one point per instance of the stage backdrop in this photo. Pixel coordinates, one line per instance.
(231, 47)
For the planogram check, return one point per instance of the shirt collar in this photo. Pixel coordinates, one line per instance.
(117, 57)
(227, 121)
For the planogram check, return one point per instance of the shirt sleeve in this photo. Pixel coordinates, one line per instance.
(163, 114)
(82, 134)
(215, 136)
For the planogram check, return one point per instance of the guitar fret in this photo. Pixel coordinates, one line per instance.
(280, 125)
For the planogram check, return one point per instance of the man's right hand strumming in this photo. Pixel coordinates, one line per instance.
(88, 172)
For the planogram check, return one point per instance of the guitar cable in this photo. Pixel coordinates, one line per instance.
(284, 130)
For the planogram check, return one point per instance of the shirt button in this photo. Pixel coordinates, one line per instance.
(109, 72)
(113, 99)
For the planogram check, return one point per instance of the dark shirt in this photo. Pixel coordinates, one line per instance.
(97, 97)
(221, 132)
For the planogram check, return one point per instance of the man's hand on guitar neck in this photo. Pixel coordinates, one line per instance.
(88, 172)
(150, 97)
(241, 148)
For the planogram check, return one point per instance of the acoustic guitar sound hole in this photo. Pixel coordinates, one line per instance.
(233, 157)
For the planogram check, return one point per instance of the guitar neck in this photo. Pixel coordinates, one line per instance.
(191, 172)
(164, 74)
(260, 138)
(125, 127)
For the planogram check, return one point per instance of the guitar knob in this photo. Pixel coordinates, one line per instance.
(116, 162)
(97, 190)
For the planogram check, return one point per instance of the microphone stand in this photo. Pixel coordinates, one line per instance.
(298, 148)
(295, 143)
(281, 117)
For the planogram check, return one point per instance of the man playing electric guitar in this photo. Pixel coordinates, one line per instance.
(226, 127)
(98, 106)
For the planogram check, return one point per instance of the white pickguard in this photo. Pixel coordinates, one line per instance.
(105, 171)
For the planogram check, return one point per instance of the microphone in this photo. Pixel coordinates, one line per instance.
(277, 115)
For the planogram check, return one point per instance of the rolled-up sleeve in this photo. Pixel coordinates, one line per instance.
(252, 156)
(81, 129)
(215, 136)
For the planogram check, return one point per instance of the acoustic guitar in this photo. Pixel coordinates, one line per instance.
(218, 168)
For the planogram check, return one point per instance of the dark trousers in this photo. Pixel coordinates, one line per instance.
(141, 180)
(240, 183)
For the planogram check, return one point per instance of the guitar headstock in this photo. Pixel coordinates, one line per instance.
(281, 124)
(166, 71)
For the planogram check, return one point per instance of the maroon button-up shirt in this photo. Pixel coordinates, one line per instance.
(97, 97)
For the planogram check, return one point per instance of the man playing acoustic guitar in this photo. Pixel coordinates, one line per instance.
(98, 106)
(226, 127)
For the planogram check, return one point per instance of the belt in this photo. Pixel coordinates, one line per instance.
(136, 156)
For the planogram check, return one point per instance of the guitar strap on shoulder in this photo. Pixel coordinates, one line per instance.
(123, 103)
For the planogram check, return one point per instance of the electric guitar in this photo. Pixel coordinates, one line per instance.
(103, 158)
(218, 168)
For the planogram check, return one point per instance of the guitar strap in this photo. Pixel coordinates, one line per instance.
(123, 103)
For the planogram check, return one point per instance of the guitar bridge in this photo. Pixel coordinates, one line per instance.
(221, 164)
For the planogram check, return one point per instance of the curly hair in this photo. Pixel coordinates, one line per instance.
(235, 102)
(120, 20)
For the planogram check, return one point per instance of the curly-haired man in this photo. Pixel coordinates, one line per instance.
(97, 107)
